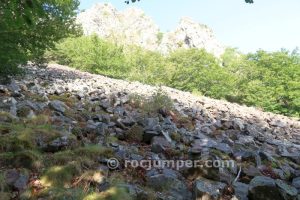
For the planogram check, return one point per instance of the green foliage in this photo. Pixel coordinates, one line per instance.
(92, 54)
(196, 69)
(135, 134)
(147, 66)
(272, 81)
(29, 27)
(60, 175)
(158, 100)
(266, 80)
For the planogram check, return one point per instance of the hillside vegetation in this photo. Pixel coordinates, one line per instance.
(268, 80)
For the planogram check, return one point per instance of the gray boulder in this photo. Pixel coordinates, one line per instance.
(288, 192)
(152, 124)
(264, 188)
(58, 106)
(200, 144)
(16, 180)
(296, 183)
(169, 182)
(21, 182)
(148, 135)
(241, 190)
(159, 144)
(205, 189)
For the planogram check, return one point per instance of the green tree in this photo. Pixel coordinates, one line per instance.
(197, 70)
(29, 27)
(272, 81)
(92, 54)
(147, 66)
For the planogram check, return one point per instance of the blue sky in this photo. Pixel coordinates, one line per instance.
(267, 24)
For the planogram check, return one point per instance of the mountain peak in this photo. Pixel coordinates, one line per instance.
(133, 27)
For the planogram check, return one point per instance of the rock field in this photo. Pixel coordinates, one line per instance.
(137, 122)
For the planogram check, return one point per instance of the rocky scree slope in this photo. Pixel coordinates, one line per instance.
(51, 117)
(133, 27)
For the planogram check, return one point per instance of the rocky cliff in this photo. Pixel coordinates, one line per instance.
(132, 26)
(59, 127)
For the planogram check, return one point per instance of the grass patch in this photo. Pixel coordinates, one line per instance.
(67, 98)
(114, 193)
(34, 96)
(135, 134)
(60, 175)
(23, 159)
(158, 100)
(6, 117)
(24, 136)
(58, 193)
(84, 155)
(220, 154)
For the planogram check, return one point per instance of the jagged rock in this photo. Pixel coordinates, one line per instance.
(128, 121)
(58, 106)
(134, 191)
(16, 179)
(101, 117)
(190, 34)
(169, 181)
(241, 190)
(159, 144)
(238, 124)
(13, 107)
(296, 183)
(224, 148)
(199, 144)
(3, 89)
(14, 87)
(263, 188)
(206, 189)
(133, 27)
(254, 130)
(119, 110)
(128, 27)
(58, 144)
(148, 135)
(288, 192)
(245, 140)
(11, 176)
(21, 182)
(167, 136)
(152, 124)
(251, 171)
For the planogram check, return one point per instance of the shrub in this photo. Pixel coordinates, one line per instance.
(92, 54)
(158, 100)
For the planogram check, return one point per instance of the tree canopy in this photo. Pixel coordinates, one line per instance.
(28, 27)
